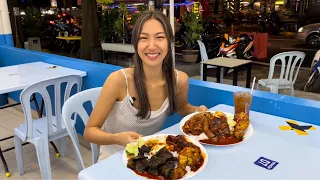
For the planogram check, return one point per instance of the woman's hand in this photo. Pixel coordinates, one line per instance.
(125, 138)
(201, 108)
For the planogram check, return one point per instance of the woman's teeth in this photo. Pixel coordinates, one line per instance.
(153, 55)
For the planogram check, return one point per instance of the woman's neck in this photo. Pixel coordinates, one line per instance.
(153, 75)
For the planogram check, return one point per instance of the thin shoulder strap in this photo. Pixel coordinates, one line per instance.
(125, 76)
(177, 76)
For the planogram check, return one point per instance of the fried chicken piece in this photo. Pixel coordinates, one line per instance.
(190, 156)
(194, 125)
(178, 173)
(242, 120)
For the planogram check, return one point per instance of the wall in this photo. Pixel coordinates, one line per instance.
(5, 36)
(207, 93)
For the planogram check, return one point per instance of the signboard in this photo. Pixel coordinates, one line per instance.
(54, 3)
(196, 7)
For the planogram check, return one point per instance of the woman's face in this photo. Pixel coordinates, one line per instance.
(153, 43)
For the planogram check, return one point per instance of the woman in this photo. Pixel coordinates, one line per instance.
(136, 101)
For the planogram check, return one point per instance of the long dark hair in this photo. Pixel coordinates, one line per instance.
(167, 65)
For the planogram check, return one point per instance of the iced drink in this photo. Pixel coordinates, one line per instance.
(242, 102)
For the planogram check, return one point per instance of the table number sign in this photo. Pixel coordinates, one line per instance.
(266, 163)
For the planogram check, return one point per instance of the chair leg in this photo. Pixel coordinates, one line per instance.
(274, 89)
(62, 146)
(257, 86)
(292, 91)
(42, 148)
(4, 164)
(79, 159)
(19, 154)
(95, 153)
(221, 75)
(76, 148)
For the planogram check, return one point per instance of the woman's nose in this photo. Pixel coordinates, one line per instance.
(152, 44)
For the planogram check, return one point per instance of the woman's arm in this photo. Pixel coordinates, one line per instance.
(184, 108)
(110, 93)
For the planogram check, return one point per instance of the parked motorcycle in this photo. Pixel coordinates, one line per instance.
(270, 24)
(229, 46)
(213, 37)
(245, 47)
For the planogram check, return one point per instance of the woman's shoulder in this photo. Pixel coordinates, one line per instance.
(118, 78)
(183, 80)
(181, 75)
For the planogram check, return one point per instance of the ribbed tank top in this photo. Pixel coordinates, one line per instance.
(123, 118)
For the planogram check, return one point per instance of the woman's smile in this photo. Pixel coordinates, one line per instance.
(152, 56)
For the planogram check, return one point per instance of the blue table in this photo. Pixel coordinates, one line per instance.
(298, 155)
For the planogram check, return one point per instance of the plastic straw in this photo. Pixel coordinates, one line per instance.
(254, 80)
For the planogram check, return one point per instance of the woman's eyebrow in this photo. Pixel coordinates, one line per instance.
(143, 33)
(160, 33)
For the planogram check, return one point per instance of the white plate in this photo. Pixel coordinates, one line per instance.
(186, 176)
(247, 135)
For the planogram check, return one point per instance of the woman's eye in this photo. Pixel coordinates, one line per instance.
(160, 37)
(143, 38)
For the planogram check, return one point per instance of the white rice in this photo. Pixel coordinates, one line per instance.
(189, 173)
(174, 153)
(202, 136)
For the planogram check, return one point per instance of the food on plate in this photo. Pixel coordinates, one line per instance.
(217, 128)
(133, 148)
(171, 157)
(242, 123)
(195, 125)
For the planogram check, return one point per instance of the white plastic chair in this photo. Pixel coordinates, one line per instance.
(204, 57)
(41, 131)
(75, 105)
(288, 75)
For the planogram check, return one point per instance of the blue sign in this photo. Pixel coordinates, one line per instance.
(266, 163)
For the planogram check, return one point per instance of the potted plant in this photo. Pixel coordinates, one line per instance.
(32, 23)
(107, 19)
(120, 25)
(193, 31)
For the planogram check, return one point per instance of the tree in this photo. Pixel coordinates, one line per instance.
(90, 28)
(17, 33)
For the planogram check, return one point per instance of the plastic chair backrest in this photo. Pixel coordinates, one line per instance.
(203, 51)
(287, 70)
(75, 105)
(41, 88)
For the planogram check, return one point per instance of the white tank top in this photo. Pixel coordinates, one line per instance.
(123, 118)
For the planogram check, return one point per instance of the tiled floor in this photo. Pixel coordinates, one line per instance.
(61, 168)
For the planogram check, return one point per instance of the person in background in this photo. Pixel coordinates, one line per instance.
(136, 101)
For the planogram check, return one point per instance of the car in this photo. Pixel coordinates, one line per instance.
(310, 34)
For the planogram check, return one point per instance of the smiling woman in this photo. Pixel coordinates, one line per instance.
(136, 101)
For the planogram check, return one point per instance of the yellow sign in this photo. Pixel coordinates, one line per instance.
(196, 7)
(300, 130)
